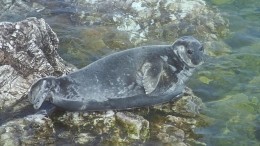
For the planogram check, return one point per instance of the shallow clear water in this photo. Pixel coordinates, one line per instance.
(231, 88)
(229, 84)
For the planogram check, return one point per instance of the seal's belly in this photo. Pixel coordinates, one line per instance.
(101, 86)
(111, 88)
(141, 100)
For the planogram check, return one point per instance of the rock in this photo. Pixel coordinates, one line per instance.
(28, 52)
(12, 85)
(170, 134)
(188, 105)
(186, 124)
(122, 127)
(14, 10)
(30, 130)
(84, 138)
(136, 127)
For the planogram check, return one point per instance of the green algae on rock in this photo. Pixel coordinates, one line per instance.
(30, 130)
(136, 126)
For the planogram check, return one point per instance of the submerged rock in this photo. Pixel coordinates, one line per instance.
(141, 22)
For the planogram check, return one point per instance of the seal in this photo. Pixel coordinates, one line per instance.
(136, 77)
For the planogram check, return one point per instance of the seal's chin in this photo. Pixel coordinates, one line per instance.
(194, 65)
(190, 64)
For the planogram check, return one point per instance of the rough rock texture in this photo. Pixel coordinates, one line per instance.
(136, 126)
(109, 127)
(160, 123)
(151, 19)
(30, 130)
(188, 106)
(27, 53)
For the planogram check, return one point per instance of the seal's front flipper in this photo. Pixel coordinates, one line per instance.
(151, 76)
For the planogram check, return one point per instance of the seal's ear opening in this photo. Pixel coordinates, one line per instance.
(39, 91)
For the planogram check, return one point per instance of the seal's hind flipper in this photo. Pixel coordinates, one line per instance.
(40, 91)
(151, 76)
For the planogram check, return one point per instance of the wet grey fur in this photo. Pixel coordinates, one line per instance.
(131, 78)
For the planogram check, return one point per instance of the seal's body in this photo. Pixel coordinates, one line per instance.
(135, 77)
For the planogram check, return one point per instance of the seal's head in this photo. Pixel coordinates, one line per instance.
(41, 90)
(189, 50)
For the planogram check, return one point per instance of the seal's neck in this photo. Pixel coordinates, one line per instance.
(175, 60)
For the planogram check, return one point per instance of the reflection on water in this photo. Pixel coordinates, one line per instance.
(232, 94)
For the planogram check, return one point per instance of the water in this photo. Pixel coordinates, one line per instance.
(232, 93)
(228, 84)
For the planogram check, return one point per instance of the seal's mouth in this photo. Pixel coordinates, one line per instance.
(198, 63)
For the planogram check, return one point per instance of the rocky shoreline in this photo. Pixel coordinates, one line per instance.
(28, 51)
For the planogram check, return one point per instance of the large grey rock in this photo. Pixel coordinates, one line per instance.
(27, 53)
(153, 19)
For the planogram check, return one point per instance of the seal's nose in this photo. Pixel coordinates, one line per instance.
(198, 56)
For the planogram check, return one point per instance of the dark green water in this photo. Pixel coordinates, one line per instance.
(231, 88)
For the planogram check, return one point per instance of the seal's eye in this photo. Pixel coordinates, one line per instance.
(189, 52)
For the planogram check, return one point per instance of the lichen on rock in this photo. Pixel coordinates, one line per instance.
(135, 126)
